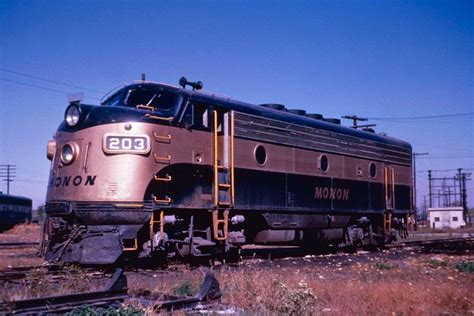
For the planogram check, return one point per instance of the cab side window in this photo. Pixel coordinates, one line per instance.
(198, 115)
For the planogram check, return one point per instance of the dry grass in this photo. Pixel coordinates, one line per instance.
(365, 284)
(40, 284)
(416, 288)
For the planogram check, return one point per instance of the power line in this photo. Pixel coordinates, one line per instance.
(439, 121)
(44, 88)
(31, 181)
(445, 170)
(440, 146)
(52, 81)
(454, 157)
(422, 117)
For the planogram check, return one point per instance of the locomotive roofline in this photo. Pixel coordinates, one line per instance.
(258, 110)
(285, 116)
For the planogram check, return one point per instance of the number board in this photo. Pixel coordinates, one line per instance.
(122, 144)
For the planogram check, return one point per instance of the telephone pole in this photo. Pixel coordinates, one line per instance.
(8, 172)
(463, 177)
(356, 119)
(429, 189)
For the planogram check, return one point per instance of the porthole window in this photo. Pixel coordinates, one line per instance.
(323, 163)
(373, 170)
(260, 155)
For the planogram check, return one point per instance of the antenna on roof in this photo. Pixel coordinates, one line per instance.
(183, 82)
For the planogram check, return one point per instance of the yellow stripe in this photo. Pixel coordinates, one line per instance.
(232, 184)
(216, 191)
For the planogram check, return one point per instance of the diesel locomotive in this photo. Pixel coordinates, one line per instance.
(159, 171)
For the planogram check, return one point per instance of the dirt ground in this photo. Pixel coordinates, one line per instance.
(20, 257)
(391, 282)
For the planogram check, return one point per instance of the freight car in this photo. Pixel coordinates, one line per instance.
(159, 171)
(14, 210)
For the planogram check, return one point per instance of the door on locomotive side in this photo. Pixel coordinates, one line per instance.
(222, 127)
(223, 154)
(389, 188)
(219, 121)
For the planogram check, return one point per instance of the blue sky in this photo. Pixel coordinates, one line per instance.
(380, 59)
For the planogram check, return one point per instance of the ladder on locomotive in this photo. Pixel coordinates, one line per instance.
(223, 186)
(389, 191)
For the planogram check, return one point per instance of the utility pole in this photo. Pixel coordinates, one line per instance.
(459, 176)
(414, 155)
(429, 187)
(464, 197)
(8, 172)
(356, 119)
(425, 214)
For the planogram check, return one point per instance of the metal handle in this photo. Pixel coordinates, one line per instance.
(158, 158)
(155, 117)
(146, 107)
(162, 138)
(166, 200)
(167, 178)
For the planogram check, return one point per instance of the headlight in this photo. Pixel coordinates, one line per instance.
(72, 115)
(67, 154)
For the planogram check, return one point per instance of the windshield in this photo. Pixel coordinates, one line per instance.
(114, 99)
(148, 97)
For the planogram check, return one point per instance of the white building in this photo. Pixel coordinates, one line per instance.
(446, 217)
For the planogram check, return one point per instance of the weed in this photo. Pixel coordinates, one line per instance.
(383, 266)
(465, 266)
(183, 289)
(436, 263)
(296, 301)
(123, 310)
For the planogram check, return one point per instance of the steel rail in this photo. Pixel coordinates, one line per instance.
(16, 245)
(209, 290)
(430, 242)
(116, 291)
(275, 252)
(21, 272)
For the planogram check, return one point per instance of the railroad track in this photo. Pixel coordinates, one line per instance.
(271, 252)
(115, 292)
(11, 274)
(18, 245)
(432, 242)
(55, 271)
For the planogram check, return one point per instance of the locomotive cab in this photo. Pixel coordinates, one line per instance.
(147, 97)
